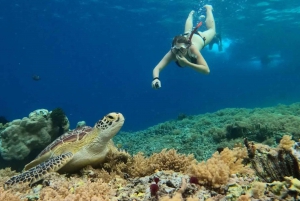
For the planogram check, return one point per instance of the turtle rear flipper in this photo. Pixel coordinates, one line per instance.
(38, 172)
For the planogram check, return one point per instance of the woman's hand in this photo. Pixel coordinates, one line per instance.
(156, 84)
(182, 59)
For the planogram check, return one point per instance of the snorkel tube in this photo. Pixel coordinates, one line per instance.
(194, 31)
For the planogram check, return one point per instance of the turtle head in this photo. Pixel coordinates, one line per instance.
(110, 124)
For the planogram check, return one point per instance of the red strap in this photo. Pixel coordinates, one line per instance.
(195, 29)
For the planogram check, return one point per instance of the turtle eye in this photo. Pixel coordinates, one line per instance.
(110, 117)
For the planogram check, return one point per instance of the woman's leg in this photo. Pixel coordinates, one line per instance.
(189, 22)
(210, 24)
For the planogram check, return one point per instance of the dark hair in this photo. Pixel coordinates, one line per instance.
(180, 39)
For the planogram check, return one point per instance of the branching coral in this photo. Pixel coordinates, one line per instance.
(258, 189)
(8, 195)
(286, 143)
(171, 160)
(234, 159)
(77, 189)
(139, 165)
(98, 173)
(216, 171)
(115, 161)
(213, 173)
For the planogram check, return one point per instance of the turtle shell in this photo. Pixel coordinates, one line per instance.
(71, 136)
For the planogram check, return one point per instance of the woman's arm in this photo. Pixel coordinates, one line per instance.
(162, 64)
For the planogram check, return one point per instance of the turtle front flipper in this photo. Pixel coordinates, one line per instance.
(38, 172)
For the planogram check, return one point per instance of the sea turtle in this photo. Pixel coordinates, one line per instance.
(73, 150)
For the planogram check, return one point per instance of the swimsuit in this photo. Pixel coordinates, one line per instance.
(197, 33)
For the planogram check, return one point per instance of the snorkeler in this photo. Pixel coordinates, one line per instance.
(185, 50)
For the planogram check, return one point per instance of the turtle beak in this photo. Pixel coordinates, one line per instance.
(120, 117)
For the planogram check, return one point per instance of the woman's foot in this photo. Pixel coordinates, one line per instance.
(191, 13)
(208, 7)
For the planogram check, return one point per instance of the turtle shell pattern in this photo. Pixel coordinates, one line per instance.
(71, 136)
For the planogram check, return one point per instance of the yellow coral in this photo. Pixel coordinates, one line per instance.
(293, 184)
(8, 195)
(85, 191)
(258, 189)
(244, 198)
(234, 158)
(277, 187)
(286, 142)
(5, 174)
(215, 171)
(139, 165)
(171, 160)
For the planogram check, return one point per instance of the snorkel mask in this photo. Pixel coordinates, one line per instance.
(182, 48)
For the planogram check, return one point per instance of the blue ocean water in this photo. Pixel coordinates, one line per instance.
(96, 56)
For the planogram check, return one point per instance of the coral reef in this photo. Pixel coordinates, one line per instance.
(157, 164)
(23, 135)
(139, 166)
(225, 176)
(223, 128)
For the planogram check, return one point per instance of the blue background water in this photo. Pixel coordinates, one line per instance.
(95, 57)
